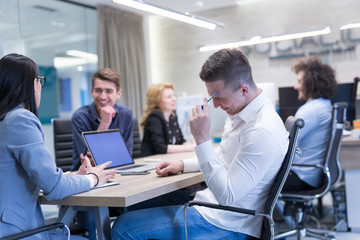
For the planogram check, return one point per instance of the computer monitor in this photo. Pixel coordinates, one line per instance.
(345, 93)
(289, 103)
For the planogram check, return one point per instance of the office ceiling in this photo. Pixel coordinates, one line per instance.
(42, 27)
(190, 6)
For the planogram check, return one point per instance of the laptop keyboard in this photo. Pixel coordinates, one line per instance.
(130, 167)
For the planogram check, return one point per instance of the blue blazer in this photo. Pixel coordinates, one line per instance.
(26, 167)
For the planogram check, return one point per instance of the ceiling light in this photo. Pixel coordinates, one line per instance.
(80, 54)
(169, 13)
(245, 2)
(74, 58)
(65, 62)
(350, 25)
(259, 40)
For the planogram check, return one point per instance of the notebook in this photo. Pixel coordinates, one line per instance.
(110, 146)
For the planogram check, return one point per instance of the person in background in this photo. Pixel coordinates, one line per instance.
(239, 173)
(162, 133)
(26, 165)
(102, 114)
(316, 84)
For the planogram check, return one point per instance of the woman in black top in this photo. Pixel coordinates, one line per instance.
(162, 133)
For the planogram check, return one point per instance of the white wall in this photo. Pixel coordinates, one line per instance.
(174, 45)
(175, 58)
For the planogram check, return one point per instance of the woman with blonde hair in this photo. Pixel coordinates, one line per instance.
(162, 133)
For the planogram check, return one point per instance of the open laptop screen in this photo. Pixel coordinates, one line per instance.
(108, 146)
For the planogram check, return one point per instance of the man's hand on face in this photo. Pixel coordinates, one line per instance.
(200, 123)
(107, 113)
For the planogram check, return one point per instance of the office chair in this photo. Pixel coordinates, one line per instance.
(63, 143)
(292, 125)
(299, 203)
(34, 231)
(136, 139)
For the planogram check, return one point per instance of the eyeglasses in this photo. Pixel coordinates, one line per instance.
(42, 80)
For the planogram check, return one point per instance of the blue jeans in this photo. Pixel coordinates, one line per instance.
(87, 219)
(168, 223)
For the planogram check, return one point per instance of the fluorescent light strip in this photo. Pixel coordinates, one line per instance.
(350, 25)
(80, 54)
(169, 13)
(259, 40)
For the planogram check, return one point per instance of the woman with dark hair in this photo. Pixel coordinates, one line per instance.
(316, 85)
(25, 163)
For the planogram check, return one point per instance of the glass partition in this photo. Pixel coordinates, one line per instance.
(61, 38)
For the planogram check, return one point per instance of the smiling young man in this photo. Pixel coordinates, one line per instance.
(102, 114)
(239, 173)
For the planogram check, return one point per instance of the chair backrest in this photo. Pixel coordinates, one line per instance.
(136, 139)
(292, 125)
(331, 166)
(63, 143)
(332, 162)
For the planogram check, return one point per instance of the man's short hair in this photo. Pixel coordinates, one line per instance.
(319, 78)
(229, 65)
(107, 74)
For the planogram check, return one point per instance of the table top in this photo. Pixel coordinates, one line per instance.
(350, 153)
(350, 141)
(134, 188)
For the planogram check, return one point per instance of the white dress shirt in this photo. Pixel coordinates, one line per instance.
(241, 171)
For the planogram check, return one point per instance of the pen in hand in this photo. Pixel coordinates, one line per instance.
(202, 106)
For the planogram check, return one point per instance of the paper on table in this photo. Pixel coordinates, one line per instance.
(152, 159)
(108, 184)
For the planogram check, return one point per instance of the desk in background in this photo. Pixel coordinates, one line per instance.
(132, 189)
(350, 162)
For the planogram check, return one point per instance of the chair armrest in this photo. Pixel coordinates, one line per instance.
(299, 153)
(34, 231)
(217, 206)
(308, 165)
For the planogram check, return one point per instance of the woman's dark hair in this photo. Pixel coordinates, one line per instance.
(229, 65)
(17, 75)
(319, 78)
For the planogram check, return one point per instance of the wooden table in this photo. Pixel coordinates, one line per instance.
(132, 189)
(350, 162)
(350, 153)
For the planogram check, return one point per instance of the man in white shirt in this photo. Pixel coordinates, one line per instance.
(239, 173)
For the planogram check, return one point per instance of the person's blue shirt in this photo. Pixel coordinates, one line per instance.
(86, 119)
(313, 138)
(26, 166)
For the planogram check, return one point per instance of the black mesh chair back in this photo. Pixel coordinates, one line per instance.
(292, 125)
(63, 143)
(136, 139)
(332, 156)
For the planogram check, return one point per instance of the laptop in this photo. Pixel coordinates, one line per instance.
(110, 146)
